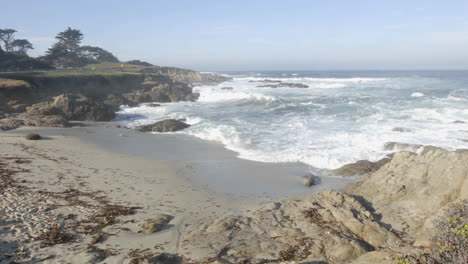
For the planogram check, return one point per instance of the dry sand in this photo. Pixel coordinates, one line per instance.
(66, 188)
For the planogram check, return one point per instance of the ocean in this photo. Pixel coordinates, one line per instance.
(342, 117)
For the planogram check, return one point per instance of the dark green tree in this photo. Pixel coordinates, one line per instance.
(6, 36)
(70, 39)
(21, 46)
(64, 53)
(90, 54)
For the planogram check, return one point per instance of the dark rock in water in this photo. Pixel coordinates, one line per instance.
(401, 129)
(153, 105)
(226, 88)
(33, 136)
(155, 225)
(168, 125)
(74, 107)
(360, 167)
(284, 85)
(459, 122)
(309, 180)
(267, 81)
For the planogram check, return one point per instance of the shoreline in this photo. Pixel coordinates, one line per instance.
(97, 194)
(205, 164)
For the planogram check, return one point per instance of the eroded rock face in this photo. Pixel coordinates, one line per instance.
(168, 125)
(163, 93)
(329, 226)
(74, 107)
(411, 189)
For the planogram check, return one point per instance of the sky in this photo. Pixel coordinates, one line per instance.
(217, 35)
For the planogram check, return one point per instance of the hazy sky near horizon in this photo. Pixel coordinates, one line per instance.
(257, 34)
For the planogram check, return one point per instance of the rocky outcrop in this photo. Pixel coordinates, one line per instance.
(360, 167)
(33, 120)
(93, 96)
(163, 93)
(329, 226)
(411, 189)
(73, 107)
(168, 125)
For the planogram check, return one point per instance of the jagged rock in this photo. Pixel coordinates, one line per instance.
(329, 226)
(412, 188)
(168, 125)
(156, 224)
(74, 107)
(173, 92)
(360, 167)
(33, 136)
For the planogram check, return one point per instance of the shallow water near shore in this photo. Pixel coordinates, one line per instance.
(341, 118)
(207, 165)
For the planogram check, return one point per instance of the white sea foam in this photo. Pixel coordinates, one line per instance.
(417, 94)
(336, 121)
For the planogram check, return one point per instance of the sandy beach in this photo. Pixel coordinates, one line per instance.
(73, 174)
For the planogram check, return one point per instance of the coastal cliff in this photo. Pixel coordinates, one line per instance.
(33, 95)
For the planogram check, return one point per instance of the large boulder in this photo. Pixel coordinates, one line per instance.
(411, 189)
(74, 107)
(168, 125)
(329, 226)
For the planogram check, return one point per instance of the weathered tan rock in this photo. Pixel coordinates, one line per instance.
(156, 224)
(74, 107)
(10, 123)
(360, 167)
(329, 226)
(411, 189)
(45, 121)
